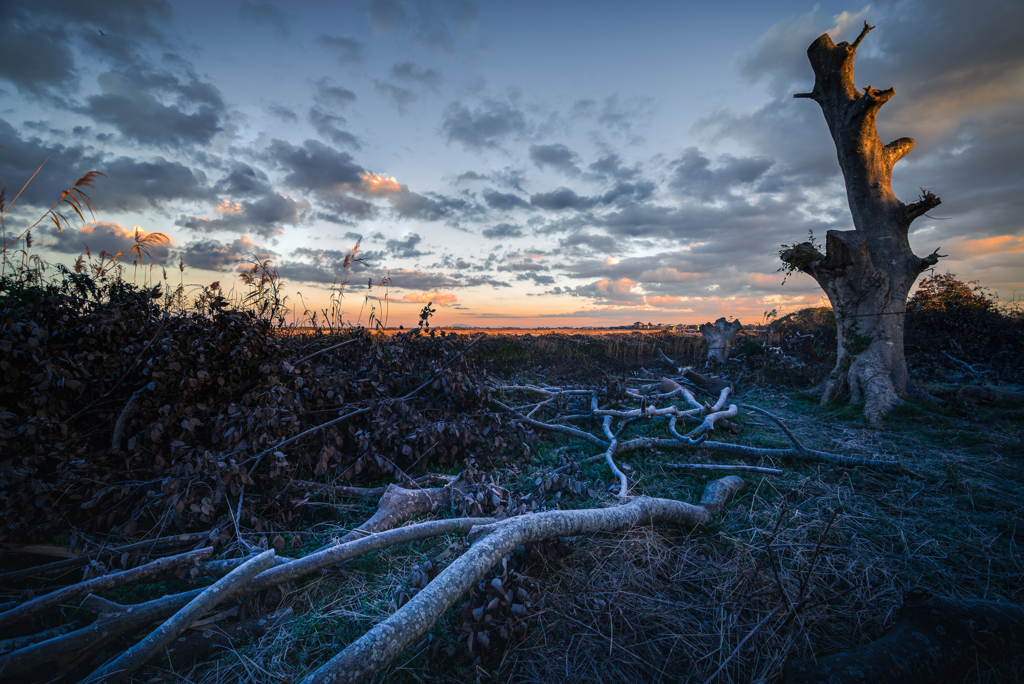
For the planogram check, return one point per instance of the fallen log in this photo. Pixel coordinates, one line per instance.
(932, 638)
(376, 649)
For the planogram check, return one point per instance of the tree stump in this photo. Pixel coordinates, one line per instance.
(719, 337)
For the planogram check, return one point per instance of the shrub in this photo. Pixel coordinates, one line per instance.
(949, 317)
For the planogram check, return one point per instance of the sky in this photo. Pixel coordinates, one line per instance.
(516, 163)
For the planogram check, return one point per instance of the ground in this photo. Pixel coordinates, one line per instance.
(836, 546)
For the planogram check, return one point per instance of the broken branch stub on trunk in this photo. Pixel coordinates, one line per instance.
(867, 272)
(376, 649)
(719, 337)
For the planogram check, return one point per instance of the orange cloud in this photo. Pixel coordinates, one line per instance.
(1000, 244)
(623, 287)
(376, 184)
(226, 207)
(428, 297)
(666, 301)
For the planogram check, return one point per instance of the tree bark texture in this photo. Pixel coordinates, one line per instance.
(381, 645)
(395, 507)
(931, 639)
(866, 272)
(719, 337)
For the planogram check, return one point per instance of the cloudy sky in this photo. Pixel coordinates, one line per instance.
(518, 163)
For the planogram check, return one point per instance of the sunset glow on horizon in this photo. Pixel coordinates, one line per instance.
(535, 165)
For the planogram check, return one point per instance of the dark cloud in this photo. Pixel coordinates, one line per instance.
(405, 248)
(504, 201)
(399, 97)
(213, 255)
(36, 39)
(130, 184)
(538, 278)
(243, 180)
(431, 30)
(346, 50)
(330, 95)
(39, 127)
(558, 157)
(588, 242)
(456, 263)
(523, 266)
(476, 281)
(318, 266)
(470, 176)
(502, 231)
(133, 185)
(486, 127)
(345, 210)
(694, 177)
(283, 113)
(610, 167)
(315, 166)
(465, 16)
(36, 59)
(614, 114)
(127, 103)
(102, 237)
(265, 14)
(780, 55)
(264, 216)
(430, 206)
(410, 73)
(565, 198)
(385, 16)
(562, 198)
(329, 126)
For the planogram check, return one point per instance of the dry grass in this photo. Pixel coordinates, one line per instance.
(842, 546)
(809, 563)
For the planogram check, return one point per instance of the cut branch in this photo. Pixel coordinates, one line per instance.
(84, 559)
(55, 598)
(386, 641)
(115, 621)
(139, 654)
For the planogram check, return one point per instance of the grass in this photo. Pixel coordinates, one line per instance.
(662, 605)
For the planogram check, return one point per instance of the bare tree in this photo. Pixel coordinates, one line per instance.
(867, 272)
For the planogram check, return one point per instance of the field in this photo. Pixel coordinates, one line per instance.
(810, 561)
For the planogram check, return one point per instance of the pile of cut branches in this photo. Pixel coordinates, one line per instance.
(121, 417)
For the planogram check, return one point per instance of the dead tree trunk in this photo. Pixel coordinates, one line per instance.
(867, 272)
(719, 337)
